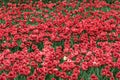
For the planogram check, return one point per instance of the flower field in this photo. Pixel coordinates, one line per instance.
(66, 40)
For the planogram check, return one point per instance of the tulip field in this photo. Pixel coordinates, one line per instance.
(63, 40)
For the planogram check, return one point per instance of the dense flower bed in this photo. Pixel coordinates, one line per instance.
(68, 40)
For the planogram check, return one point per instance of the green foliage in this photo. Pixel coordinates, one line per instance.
(30, 49)
(105, 9)
(2, 21)
(49, 76)
(86, 74)
(40, 45)
(5, 1)
(110, 1)
(32, 70)
(14, 49)
(20, 77)
(58, 43)
(71, 42)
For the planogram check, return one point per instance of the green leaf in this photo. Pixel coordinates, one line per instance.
(69, 8)
(40, 45)
(80, 0)
(15, 49)
(2, 21)
(19, 42)
(61, 60)
(5, 2)
(31, 70)
(110, 1)
(20, 77)
(49, 77)
(63, 13)
(71, 42)
(119, 35)
(106, 9)
(30, 49)
(1, 72)
(69, 72)
(114, 71)
(58, 43)
(39, 65)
